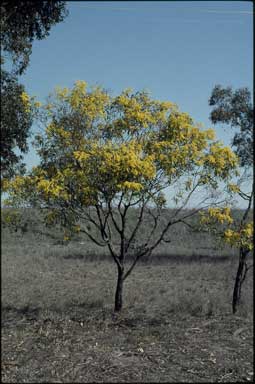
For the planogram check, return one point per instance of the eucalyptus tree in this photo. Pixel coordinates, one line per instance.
(235, 109)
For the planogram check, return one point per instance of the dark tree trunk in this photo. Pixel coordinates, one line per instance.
(240, 275)
(119, 290)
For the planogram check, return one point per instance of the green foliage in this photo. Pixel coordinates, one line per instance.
(235, 108)
(11, 219)
(21, 23)
(16, 121)
(24, 21)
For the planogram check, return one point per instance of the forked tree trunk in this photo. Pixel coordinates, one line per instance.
(239, 279)
(119, 290)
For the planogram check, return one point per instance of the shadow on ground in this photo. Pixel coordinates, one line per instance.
(160, 258)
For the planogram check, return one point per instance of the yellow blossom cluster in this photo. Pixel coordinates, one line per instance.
(216, 214)
(96, 144)
(26, 101)
(220, 159)
(54, 130)
(131, 185)
(4, 184)
(140, 111)
(234, 237)
(180, 144)
(240, 238)
(17, 187)
(233, 188)
(30, 103)
(89, 104)
(53, 187)
(125, 166)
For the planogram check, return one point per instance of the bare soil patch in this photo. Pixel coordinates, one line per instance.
(101, 347)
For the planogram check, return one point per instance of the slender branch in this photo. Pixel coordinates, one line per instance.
(155, 218)
(90, 219)
(108, 226)
(93, 239)
(136, 202)
(166, 241)
(170, 223)
(102, 226)
(186, 200)
(114, 256)
(122, 233)
(137, 257)
(86, 216)
(120, 201)
(249, 206)
(138, 223)
(246, 268)
(244, 196)
(188, 224)
(113, 219)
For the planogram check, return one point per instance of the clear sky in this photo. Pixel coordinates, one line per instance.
(176, 49)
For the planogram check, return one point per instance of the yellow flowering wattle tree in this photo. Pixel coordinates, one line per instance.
(103, 156)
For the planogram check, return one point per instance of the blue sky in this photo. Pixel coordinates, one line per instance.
(176, 49)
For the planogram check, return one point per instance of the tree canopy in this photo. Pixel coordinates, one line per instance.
(21, 23)
(103, 155)
(235, 108)
(24, 21)
(16, 121)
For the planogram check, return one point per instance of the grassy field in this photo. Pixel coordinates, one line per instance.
(58, 323)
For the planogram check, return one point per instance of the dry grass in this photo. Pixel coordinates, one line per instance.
(176, 325)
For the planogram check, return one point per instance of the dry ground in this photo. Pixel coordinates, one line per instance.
(176, 326)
